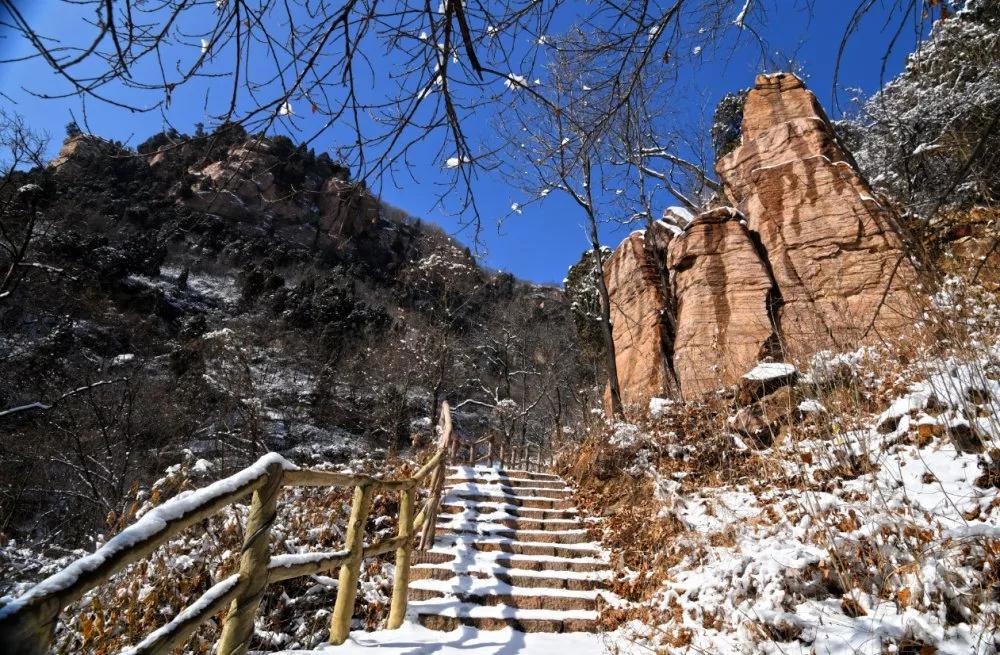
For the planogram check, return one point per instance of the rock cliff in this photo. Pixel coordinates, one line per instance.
(835, 252)
(642, 339)
(805, 260)
(722, 289)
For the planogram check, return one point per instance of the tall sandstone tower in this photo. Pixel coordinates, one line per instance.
(804, 260)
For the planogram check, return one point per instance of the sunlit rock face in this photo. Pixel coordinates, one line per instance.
(835, 253)
(806, 259)
(722, 289)
(637, 314)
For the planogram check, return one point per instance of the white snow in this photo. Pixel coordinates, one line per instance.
(770, 371)
(657, 406)
(681, 212)
(811, 406)
(515, 82)
(741, 18)
(412, 639)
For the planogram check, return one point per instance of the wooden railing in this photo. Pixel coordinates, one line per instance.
(491, 451)
(27, 624)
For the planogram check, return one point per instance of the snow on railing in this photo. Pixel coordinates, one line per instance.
(27, 623)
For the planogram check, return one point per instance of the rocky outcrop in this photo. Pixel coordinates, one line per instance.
(81, 151)
(244, 181)
(834, 251)
(642, 337)
(806, 260)
(722, 289)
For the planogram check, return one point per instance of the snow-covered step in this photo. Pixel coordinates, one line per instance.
(511, 552)
(578, 536)
(458, 506)
(444, 615)
(499, 489)
(495, 592)
(534, 502)
(507, 519)
(486, 471)
(529, 562)
(574, 580)
(515, 523)
(509, 482)
(524, 547)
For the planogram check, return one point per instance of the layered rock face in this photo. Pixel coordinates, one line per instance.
(637, 313)
(836, 254)
(722, 289)
(806, 260)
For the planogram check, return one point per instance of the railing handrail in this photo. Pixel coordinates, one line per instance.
(27, 623)
(503, 453)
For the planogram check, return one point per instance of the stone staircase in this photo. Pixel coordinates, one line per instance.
(510, 551)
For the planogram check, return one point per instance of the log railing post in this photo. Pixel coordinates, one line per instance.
(350, 571)
(32, 634)
(238, 628)
(430, 524)
(401, 579)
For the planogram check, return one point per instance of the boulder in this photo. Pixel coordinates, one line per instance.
(764, 379)
(763, 420)
(722, 292)
(639, 322)
(347, 209)
(835, 253)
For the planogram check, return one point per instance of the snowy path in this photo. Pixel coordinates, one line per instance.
(413, 639)
(511, 571)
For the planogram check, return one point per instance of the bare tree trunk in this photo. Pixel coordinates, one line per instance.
(606, 329)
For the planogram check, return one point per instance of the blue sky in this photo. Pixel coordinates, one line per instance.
(547, 238)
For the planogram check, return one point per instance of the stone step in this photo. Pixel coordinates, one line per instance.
(529, 548)
(515, 600)
(430, 557)
(539, 536)
(516, 577)
(493, 488)
(471, 520)
(498, 559)
(454, 507)
(468, 471)
(532, 502)
(508, 482)
(511, 552)
(543, 623)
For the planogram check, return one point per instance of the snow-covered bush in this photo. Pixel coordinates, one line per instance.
(727, 122)
(919, 131)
